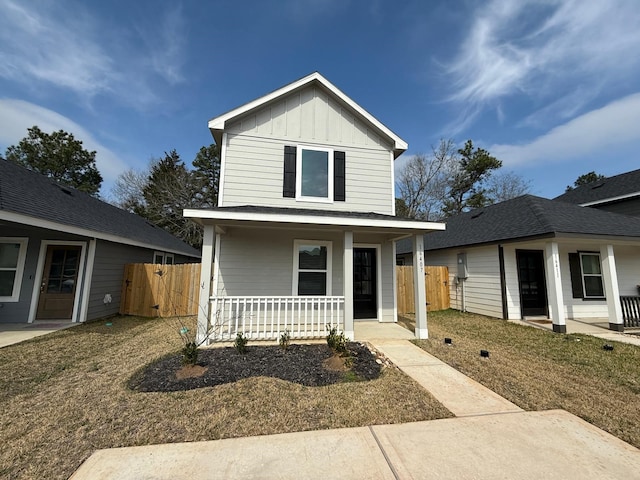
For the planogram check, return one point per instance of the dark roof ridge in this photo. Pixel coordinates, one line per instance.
(538, 210)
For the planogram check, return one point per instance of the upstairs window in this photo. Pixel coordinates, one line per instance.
(314, 174)
(314, 179)
(13, 253)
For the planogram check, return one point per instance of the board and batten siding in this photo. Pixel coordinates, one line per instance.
(254, 151)
(482, 292)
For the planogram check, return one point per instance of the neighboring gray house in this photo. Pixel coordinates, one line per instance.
(618, 194)
(62, 252)
(533, 257)
(304, 232)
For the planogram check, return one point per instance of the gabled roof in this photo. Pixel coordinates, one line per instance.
(527, 217)
(32, 199)
(218, 124)
(619, 187)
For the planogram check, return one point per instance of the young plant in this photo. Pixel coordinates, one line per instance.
(285, 340)
(337, 342)
(240, 343)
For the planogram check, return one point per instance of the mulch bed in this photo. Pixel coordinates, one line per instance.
(310, 365)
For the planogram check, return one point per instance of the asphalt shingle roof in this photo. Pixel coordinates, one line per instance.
(525, 217)
(612, 187)
(28, 193)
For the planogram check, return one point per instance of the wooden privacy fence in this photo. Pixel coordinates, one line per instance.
(150, 290)
(436, 283)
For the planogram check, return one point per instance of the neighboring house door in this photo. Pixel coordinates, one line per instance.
(365, 302)
(59, 282)
(533, 289)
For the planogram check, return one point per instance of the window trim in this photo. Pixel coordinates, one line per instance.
(296, 264)
(330, 173)
(164, 256)
(583, 275)
(20, 263)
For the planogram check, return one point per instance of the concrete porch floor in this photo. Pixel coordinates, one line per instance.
(596, 327)
(371, 330)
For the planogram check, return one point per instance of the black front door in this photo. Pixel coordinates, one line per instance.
(365, 302)
(533, 288)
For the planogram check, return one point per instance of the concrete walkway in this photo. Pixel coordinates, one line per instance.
(493, 439)
(461, 395)
(594, 328)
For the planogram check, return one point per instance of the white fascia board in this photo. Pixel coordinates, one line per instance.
(610, 200)
(84, 232)
(312, 220)
(219, 123)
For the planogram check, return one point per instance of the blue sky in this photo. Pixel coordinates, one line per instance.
(551, 87)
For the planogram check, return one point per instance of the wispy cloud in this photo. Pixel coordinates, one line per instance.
(62, 45)
(599, 131)
(542, 49)
(17, 115)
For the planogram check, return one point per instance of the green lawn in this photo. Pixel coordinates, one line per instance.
(540, 370)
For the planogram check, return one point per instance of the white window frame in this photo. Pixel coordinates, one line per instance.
(19, 269)
(164, 256)
(296, 264)
(583, 275)
(299, 196)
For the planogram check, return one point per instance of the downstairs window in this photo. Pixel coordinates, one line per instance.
(312, 268)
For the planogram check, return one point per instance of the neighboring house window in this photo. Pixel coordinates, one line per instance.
(312, 268)
(13, 252)
(592, 284)
(314, 174)
(161, 258)
(586, 275)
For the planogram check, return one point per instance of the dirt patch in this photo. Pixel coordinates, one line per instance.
(310, 365)
(335, 363)
(190, 371)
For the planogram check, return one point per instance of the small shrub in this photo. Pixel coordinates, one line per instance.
(240, 343)
(190, 353)
(337, 342)
(285, 340)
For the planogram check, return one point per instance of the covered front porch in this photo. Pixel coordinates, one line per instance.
(280, 270)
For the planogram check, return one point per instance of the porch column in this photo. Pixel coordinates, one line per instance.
(554, 287)
(347, 282)
(205, 284)
(611, 289)
(419, 289)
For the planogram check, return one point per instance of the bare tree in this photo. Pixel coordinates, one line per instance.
(423, 181)
(127, 191)
(507, 185)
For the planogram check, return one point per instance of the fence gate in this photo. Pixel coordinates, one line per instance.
(436, 284)
(150, 290)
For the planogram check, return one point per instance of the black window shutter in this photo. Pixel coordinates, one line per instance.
(576, 275)
(338, 177)
(289, 183)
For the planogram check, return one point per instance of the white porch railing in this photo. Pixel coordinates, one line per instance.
(266, 318)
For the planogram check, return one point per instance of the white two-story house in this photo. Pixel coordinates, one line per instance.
(304, 233)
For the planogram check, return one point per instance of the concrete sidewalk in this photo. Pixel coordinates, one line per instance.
(525, 445)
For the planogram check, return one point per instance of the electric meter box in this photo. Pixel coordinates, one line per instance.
(462, 266)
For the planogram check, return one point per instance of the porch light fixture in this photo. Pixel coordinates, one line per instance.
(607, 347)
(447, 341)
(484, 353)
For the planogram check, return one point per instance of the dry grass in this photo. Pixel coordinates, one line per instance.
(64, 395)
(540, 370)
